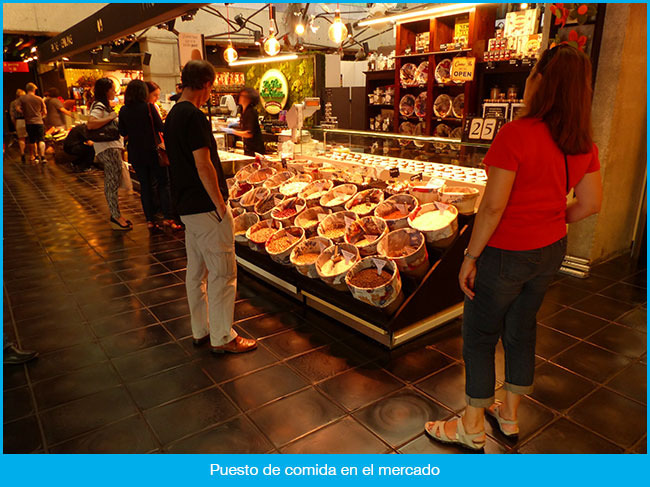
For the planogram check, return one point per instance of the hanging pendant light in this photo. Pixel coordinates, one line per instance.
(271, 44)
(337, 32)
(230, 54)
(300, 28)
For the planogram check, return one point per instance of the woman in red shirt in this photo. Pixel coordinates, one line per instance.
(519, 237)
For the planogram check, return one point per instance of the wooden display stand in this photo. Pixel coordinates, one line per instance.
(377, 79)
(429, 302)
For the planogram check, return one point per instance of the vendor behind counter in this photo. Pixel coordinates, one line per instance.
(249, 125)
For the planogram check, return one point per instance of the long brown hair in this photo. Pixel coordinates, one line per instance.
(563, 98)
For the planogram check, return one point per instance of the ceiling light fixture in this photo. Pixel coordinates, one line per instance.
(425, 13)
(271, 44)
(106, 53)
(337, 32)
(262, 60)
(300, 28)
(230, 54)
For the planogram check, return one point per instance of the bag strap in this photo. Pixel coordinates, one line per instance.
(153, 129)
(566, 171)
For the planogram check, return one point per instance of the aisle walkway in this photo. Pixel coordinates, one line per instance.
(118, 373)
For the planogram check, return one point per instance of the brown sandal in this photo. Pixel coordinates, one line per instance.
(172, 224)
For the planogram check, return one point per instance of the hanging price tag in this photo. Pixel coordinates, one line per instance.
(348, 256)
(402, 208)
(321, 217)
(393, 172)
(379, 264)
(348, 222)
(371, 238)
(441, 206)
(416, 177)
(259, 196)
(277, 201)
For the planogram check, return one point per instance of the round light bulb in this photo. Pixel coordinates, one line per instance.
(300, 29)
(337, 31)
(271, 45)
(230, 54)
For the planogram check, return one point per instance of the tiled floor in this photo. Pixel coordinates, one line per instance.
(118, 372)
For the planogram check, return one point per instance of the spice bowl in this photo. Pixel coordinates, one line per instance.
(292, 188)
(364, 202)
(302, 178)
(237, 191)
(265, 207)
(462, 197)
(333, 226)
(258, 177)
(376, 281)
(286, 211)
(273, 183)
(336, 198)
(244, 173)
(252, 197)
(334, 263)
(258, 234)
(237, 211)
(427, 192)
(406, 247)
(395, 211)
(242, 223)
(314, 190)
(365, 234)
(281, 243)
(304, 255)
(310, 218)
(437, 221)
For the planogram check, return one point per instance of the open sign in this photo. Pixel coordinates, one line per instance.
(462, 68)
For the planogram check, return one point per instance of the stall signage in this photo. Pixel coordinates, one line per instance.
(462, 68)
(17, 67)
(274, 91)
(479, 129)
(190, 47)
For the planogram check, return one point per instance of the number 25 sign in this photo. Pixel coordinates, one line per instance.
(481, 129)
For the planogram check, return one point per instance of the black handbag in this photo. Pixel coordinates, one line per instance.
(106, 133)
(161, 152)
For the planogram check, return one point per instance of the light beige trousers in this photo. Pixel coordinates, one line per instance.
(211, 279)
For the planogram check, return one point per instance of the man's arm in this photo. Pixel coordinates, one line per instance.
(209, 178)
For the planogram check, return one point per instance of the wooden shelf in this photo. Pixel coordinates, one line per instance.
(420, 54)
(455, 51)
(381, 105)
(380, 71)
(446, 119)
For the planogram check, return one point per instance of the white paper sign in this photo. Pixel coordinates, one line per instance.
(348, 256)
(348, 222)
(441, 206)
(379, 264)
(321, 217)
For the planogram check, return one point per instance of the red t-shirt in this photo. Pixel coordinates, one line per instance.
(536, 212)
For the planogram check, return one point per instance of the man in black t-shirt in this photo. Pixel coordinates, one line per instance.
(200, 192)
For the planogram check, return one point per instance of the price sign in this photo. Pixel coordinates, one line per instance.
(379, 264)
(393, 172)
(489, 129)
(481, 129)
(462, 68)
(475, 129)
(284, 162)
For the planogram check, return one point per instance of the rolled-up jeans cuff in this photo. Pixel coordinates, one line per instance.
(479, 402)
(515, 389)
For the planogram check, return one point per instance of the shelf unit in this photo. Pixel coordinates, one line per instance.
(441, 31)
(374, 80)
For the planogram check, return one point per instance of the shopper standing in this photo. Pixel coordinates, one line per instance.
(55, 112)
(200, 192)
(519, 237)
(154, 94)
(34, 111)
(17, 118)
(249, 125)
(140, 125)
(109, 153)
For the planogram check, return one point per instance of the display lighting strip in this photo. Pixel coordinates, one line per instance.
(262, 60)
(425, 13)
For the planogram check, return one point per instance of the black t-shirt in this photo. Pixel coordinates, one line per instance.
(250, 123)
(186, 130)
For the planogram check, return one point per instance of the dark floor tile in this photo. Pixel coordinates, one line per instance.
(65, 309)
(135, 340)
(448, 339)
(149, 361)
(96, 281)
(58, 339)
(122, 322)
(551, 342)
(621, 339)
(638, 279)
(111, 292)
(358, 440)
(263, 386)
(548, 309)
(423, 445)
(531, 416)
(237, 436)
(14, 376)
(171, 310)
(47, 323)
(592, 362)
(603, 307)
(564, 436)
(296, 341)
(564, 294)
(179, 327)
(617, 268)
(412, 364)
(98, 310)
(263, 326)
(142, 272)
(625, 292)
(230, 366)
(131, 435)
(308, 410)
(163, 295)
(73, 385)
(248, 308)
(641, 447)
(325, 362)
(558, 388)
(361, 386)
(154, 282)
(367, 347)
(17, 403)
(401, 416)
(447, 387)
(591, 283)
(66, 360)
(619, 419)
(86, 414)
(631, 382)
(575, 323)
(198, 411)
(637, 318)
(22, 436)
(165, 255)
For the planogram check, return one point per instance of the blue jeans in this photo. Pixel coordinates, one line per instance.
(510, 287)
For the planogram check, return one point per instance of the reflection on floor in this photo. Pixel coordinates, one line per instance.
(118, 373)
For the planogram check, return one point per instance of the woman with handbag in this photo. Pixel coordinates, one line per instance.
(104, 132)
(141, 126)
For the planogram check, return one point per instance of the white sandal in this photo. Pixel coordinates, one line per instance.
(436, 431)
(501, 421)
